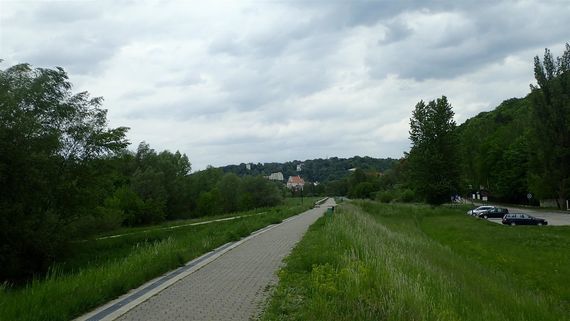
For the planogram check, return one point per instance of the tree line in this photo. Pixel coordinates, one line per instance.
(315, 170)
(520, 149)
(65, 175)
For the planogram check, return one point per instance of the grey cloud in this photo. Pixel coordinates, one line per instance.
(65, 12)
(490, 38)
(396, 31)
(282, 67)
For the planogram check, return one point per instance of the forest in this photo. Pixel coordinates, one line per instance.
(315, 170)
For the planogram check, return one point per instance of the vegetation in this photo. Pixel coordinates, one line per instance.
(522, 146)
(64, 175)
(101, 270)
(550, 127)
(432, 161)
(494, 151)
(316, 170)
(373, 261)
(50, 143)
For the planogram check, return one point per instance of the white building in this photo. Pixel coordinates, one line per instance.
(276, 176)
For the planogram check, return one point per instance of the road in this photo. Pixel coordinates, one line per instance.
(232, 284)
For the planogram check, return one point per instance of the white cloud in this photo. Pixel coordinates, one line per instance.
(248, 81)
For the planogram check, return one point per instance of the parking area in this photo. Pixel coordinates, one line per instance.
(554, 218)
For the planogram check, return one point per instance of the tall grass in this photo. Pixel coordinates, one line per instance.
(375, 262)
(111, 267)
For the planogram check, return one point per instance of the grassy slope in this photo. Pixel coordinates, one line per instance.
(102, 270)
(397, 262)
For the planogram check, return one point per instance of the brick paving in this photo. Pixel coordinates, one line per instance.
(234, 286)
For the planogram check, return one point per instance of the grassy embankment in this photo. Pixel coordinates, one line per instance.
(100, 270)
(373, 261)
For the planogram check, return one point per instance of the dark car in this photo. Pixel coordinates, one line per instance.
(522, 219)
(496, 212)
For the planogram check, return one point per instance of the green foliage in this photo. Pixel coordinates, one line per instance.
(550, 126)
(229, 187)
(316, 170)
(494, 151)
(259, 192)
(50, 141)
(396, 195)
(523, 145)
(386, 196)
(433, 162)
(363, 190)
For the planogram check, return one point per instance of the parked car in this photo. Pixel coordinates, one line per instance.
(495, 212)
(523, 219)
(479, 209)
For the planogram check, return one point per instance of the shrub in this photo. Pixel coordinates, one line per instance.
(407, 196)
(385, 196)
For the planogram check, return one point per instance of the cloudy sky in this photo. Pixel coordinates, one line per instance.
(256, 81)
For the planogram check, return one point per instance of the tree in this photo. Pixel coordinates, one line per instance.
(49, 139)
(229, 187)
(432, 161)
(550, 160)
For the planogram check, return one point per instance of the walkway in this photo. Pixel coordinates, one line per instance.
(231, 287)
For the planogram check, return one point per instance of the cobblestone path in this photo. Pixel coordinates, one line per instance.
(234, 286)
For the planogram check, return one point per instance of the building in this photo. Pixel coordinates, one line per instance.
(276, 177)
(295, 182)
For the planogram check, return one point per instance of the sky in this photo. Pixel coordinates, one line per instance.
(230, 82)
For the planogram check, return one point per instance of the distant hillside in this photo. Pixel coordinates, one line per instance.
(495, 152)
(315, 170)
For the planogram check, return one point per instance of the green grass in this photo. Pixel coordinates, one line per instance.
(374, 261)
(101, 270)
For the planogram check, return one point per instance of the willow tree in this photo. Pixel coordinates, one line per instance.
(49, 139)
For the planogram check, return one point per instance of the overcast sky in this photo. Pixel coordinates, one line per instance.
(228, 82)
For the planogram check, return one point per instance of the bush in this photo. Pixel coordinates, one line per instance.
(407, 196)
(385, 196)
(102, 220)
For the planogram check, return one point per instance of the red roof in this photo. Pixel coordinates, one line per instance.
(296, 180)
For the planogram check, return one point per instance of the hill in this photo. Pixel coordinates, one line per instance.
(495, 151)
(315, 170)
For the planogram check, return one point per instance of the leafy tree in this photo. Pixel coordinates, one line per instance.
(258, 192)
(550, 125)
(209, 203)
(363, 190)
(49, 137)
(229, 187)
(432, 161)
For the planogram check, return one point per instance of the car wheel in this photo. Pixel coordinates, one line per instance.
(513, 223)
(539, 224)
(485, 216)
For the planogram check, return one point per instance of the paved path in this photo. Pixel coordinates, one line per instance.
(234, 286)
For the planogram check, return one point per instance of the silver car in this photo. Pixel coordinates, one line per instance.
(480, 209)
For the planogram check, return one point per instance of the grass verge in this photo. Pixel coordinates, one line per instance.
(374, 261)
(101, 270)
